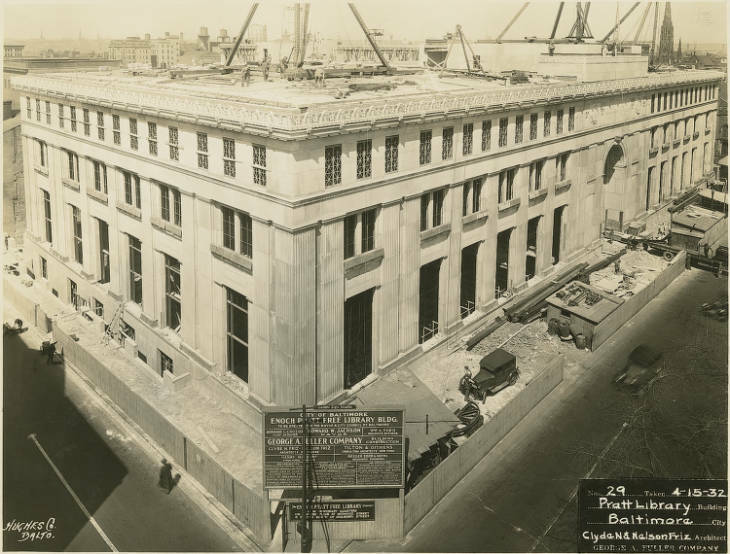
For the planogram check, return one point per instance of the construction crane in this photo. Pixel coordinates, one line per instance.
(246, 23)
(578, 32)
(368, 35)
(620, 21)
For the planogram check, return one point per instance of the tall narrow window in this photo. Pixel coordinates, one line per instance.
(438, 207)
(467, 138)
(152, 137)
(173, 299)
(333, 165)
(202, 150)
(486, 135)
(61, 116)
(229, 228)
(237, 333)
(48, 112)
(503, 131)
(132, 193)
(652, 103)
(165, 203)
(100, 181)
(28, 108)
(536, 174)
(533, 126)
(37, 109)
(174, 152)
(73, 118)
(571, 119)
(519, 124)
(229, 157)
(116, 130)
(424, 148)
(349, 235)
(562, 166)
(72, 166)
(47, 215)
(447, 143)
(476, 195)
(259, 164)
(424, 210)
(368, 230)
(104, 260)
(135, 270)
(546, 123)
(559, 122)
(74, 294)
(87, 122)
(364, 158)
(100, 124)
(77, 237)
(133, 139)
(505, 189)
(246, 245)
(42, 151)
(391, 153)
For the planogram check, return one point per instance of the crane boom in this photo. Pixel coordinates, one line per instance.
(620, 21)
(641, 23)
(463, 47)
(243, 32)
(303, 35)
(368, 35)
(519, 12)
(557, 20)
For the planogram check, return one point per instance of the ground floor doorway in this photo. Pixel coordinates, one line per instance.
(467, 303)
(557, 233)
(502, 270)
(358, 347)
(428, 301)
(533, 227)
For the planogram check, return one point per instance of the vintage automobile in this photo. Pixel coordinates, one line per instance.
(497, 370)
(643, 365)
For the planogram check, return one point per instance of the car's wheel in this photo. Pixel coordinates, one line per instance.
(513, 378)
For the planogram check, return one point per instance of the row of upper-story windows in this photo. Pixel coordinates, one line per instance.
(229, 159)
(681, 128)
(679, 98)
(364, 148)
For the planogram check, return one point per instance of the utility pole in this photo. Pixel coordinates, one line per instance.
(306, 523)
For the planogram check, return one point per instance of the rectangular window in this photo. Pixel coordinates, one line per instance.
(165, 203)
(503, 131)
(44, 268)
(73, 118)
(173, 311)
(447, 143)
(100, 181)
(78, 243)
(467, 138)
(47, 215)
(349, 236)
(132, 193)
(667, 138)
(73, 293)
(505, 191)
(229, 157)
(104, 260)
(28, 108)
(486, 135)
(166, 363)
(246, 235)
(438, 207)
(98, 308)
(133, 142)
(559, 122)
(476, 194)
(536, 174)
(465, 198)
(546, 124)
(203, 150)
(42, 151)
(152, 137)
(100, 124)
(87, 122)
(116, 130)
(37, 109)
(519, 124)
(368, 230)
(364, 158)
(391, 153)
(48, 112)
(562, 166)
(652, 103)
(259, 164)
(61, 116)
(424, 211)
(571, 119)
(237, 333)
(229, 228)
(533, 126)
(424, 148)
(174, 152)
(135, 270)
(165, 193)
(333, 165)
(72, 166)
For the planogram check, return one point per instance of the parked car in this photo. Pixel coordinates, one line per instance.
(497, 370)
(642, 367)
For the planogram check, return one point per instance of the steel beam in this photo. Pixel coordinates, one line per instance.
(641, 23)
(368, 35)
(519, 12)
(243, 32)
(627, 14)
(557, 20)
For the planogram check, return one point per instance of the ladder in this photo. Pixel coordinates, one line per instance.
(113, 324)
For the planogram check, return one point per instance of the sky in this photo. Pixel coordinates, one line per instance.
(694, 21)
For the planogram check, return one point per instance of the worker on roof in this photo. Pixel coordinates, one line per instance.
(319, 77)
(246, 76)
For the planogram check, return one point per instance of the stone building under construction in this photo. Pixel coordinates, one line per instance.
(302, 244)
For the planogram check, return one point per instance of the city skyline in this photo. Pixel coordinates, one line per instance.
(694, 22)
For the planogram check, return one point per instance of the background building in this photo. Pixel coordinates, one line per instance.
(161, 52)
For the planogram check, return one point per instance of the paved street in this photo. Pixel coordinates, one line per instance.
(520, 497)
(111, 475)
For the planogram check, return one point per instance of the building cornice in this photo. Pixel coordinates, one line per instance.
(296, 123)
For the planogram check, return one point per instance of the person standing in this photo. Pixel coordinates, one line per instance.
(166, 481)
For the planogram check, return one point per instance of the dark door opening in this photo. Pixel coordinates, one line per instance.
(502, 277)
(531, 256)
(557, 233)
(428, 301)
(358, 351)
(468, 301)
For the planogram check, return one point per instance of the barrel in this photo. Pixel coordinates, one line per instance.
(564, 330)
(553, 326)
(580, 341)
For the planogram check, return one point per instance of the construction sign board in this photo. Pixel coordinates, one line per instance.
(346, 448)
(335, 511)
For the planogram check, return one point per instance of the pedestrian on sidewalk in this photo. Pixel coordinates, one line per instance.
(50, 351)
(166, 482)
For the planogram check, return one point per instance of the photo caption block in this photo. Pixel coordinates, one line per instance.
(652, 515)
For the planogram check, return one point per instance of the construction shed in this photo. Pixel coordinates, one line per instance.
(583, 307)
(698, 229)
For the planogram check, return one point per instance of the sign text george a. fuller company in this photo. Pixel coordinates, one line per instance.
(347, 448)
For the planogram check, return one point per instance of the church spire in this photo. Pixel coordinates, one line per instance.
(666, 40)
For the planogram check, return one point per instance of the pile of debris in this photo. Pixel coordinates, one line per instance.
(629, 274)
